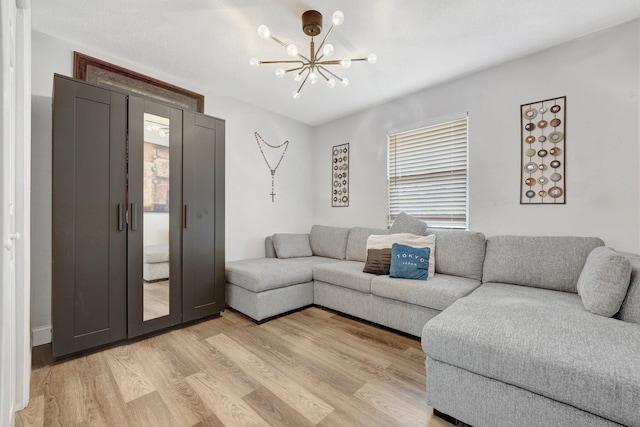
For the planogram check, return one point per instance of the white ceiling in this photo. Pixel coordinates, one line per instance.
(419, 43)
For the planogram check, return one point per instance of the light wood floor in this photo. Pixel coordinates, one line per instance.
(312, 367)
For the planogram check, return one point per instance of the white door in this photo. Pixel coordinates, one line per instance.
(15, 356)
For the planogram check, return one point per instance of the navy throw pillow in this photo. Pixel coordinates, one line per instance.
(408, 262)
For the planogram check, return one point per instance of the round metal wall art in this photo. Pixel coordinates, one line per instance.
(530, 167)
(543, 147)
(531, 113)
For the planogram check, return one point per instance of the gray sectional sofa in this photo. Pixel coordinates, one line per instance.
(332, 277)
(507, 337)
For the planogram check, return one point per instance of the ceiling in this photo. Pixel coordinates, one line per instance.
(419, 43)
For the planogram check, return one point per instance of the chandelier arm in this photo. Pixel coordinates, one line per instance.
(329, 71)
(324, 39)
(304, 81)
(329, 62)
(322, 74)
(277, 40)
(302, 67)
(281, 43)
(337, 61)
(283, 62)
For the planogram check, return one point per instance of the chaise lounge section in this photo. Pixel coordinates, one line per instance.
(523, 349)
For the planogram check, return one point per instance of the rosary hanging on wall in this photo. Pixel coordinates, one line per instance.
(273, 170)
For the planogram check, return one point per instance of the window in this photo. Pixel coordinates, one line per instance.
(427, 174)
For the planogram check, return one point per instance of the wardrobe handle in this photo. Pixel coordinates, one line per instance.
(120, 217)
(134, 216)
(187, 216)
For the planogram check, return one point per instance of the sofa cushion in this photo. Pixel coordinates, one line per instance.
(630, 309)
(357, 242)
(153, 254)
(330, 242)
(437, 293)
(460, 252)
(408, 262)
(291, 245)
(545, 342)
(387, 241)
(541, 262)
(261, 274)
(347, 274)
(269, 250)
(378, 261)
(604, 281)
(405, 223)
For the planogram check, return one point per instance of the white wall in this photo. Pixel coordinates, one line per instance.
(599, 76)
(250, 214)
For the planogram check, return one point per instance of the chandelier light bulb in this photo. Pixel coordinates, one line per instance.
(254, 62)
(155, 128)
(296, 94)
(149, 128)
(263, 32)
(344, 82)
(346, 63)
(298, 77)
(162, 133)
(313, 78)
(331, 83)
(292, 50)
(328, 50)
(280, 72)
(338, 18)
(372, 58)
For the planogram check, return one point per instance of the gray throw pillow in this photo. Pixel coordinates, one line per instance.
(291, 245)
(405, 223)
(604, 281)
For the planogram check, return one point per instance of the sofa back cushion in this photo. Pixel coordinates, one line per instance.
(289, 245)
(460, 253)
(630, 310)
(357, 242)
(329, 242)
(269, 250)
(553, 262)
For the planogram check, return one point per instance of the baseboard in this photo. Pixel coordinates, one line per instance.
(40, 335)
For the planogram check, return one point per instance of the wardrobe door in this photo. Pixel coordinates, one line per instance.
(89, 235)
(155, 212)
(203, 226)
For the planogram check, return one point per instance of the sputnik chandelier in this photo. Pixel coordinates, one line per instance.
(308, 68)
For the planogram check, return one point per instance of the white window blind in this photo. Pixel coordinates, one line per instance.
(427, 174)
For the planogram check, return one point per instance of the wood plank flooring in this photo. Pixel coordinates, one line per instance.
(309, 368)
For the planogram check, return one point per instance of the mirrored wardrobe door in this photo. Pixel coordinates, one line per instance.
(155, 200)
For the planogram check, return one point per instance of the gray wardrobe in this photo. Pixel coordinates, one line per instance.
(138, 216)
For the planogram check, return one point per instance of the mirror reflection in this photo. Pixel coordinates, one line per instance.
(156, 217)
